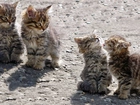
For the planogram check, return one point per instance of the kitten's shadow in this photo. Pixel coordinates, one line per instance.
(6, 67)
(89, 99)
(25, 77)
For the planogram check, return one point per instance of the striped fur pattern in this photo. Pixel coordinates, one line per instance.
(125, 67)
(11, 45)
(40, 38)
(95, 75)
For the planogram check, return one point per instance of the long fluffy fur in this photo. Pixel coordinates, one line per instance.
(11, 45)
(40, 38)
(125, 67)
(95, 75)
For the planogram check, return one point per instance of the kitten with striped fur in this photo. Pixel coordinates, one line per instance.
(95, 75)
(11, 45)
(124, 66)
(40, 38)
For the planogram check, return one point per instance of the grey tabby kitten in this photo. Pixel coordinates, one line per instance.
(96, 77)
(123, 65)
(40, 38)
(11, 45)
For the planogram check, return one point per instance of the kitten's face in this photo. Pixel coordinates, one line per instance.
(88, 43)
(36, 19)
(7, 15)
(117, 45)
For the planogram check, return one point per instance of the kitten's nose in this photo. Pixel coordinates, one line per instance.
(43, 28)
(9, 22)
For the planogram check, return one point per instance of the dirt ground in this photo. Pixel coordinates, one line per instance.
(20, 85)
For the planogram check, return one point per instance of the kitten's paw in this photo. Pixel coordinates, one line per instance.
(56, 65)
(123, 96)
(16, 58)
(4, 57)
(103, 90)
(29, 63)
(39, 67)
(86, 87)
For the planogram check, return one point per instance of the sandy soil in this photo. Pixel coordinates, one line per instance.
(72, 18)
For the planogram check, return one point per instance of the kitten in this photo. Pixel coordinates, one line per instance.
(11, 45)
(95, 75)
(40, 38)
(125, 67)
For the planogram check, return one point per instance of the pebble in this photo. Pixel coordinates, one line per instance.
(77, 1)
(30, 99)
(10, 98)
(107, 99)
(88, 22)
(69, 51)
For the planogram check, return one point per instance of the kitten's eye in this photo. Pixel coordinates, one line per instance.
(4, 19)
(13, 19)
(97, 40)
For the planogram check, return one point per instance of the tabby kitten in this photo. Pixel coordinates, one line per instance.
(11, 45)
(95, 75)
(40, 38)
(125, 67)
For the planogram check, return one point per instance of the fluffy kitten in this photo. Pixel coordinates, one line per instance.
(125, 67)
(96, 77)
(11, 45)
(40, 38)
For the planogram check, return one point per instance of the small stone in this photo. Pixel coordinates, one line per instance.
(77, 1)
(30, 99)
(88, 22)
(133, 94)
(107, 100)
(10, 98)
(60, 5)
(92, 100)
(69, 51)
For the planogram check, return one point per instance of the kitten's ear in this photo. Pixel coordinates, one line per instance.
(125, 45)
(31, 12)
(48, 10)
(1, 7)
(77, 40)
(15, 4)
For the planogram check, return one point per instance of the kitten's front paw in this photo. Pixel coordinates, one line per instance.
(39, 66)
(16, 58)
(29, 63)
(103, 90)
(56, 65)
(4, 57)
(123, 96)
(86, 87)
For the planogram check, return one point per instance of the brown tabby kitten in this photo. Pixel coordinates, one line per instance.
(40, 39)
(96, 77)
(125, 67)
(11, 45)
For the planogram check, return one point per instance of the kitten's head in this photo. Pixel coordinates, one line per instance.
(7, 15)
(36, 19)
(116, 44)
(88, 43)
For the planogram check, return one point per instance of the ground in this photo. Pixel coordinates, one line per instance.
(20, 85)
